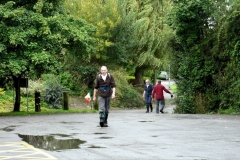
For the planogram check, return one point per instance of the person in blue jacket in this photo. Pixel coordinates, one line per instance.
(147, 94)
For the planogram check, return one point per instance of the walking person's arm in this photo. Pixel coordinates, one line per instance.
(168, 92)
(96, 86)
(113, 92)
(94, 94)
(153, 92)
(144, 93)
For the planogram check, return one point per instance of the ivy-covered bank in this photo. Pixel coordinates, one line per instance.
(206, 55)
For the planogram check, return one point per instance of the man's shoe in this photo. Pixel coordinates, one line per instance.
(101, 124)
(102, 119)
(105, 121)
(147, 110)
(161, 111)
(105, 125)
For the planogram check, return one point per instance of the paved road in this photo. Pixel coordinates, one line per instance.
(132, 134)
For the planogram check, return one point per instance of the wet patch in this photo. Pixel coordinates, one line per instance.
(102, 127)
(52, 142)
(8, 129)
(92, 146)
(179, 156)
(70, 122)
(99, 133)
(145, 121)
(105, 137)
(61, 135)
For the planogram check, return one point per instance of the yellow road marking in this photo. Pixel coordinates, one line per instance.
(23, 150)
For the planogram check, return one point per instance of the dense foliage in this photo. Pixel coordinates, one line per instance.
(33, 34)
(104, 16)
(126, 95)
(72, 39)
(142, 33)
(54, 92)
(206, 54)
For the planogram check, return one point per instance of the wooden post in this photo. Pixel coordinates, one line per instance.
(65, 101)
(37, 102)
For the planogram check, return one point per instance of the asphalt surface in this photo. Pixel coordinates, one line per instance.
(132, 134)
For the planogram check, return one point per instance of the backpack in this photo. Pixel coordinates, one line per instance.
(99, 76)
(104, 88)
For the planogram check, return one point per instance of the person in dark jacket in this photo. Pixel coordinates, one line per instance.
(105, 87)
(158, 90)
(147, 94)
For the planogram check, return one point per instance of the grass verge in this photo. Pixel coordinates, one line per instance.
(48, 112)
(173, 87)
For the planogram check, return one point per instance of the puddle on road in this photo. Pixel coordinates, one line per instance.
(52, 142)
(70, 122)
(61, 135)
(92, 146)
(105, 137)
(8, 129)
(145, 121)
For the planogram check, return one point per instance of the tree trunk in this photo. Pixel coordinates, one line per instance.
(16, 82)
(138, 77)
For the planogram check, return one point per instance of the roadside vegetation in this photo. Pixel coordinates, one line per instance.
(28, 106)
(60, 46)
(205, 55)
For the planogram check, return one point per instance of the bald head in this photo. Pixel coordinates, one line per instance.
(104, 70)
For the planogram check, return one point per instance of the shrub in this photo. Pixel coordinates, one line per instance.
(126, 95)
(54, 92)
(1, 91)
(67, 81)
(34, 86)
(230, 110)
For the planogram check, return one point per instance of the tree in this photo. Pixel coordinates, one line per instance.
(192, 22)
(205, 50)
(142, 34)
(33, 33)
(104, 16)
(227, 57)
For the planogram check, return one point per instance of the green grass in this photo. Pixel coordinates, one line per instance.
(7, 102)
(52, 111)
(173, 87)
(133, 77)
(228, 111)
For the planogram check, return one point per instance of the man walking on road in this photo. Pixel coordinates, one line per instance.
(105, 87)
(158, 90)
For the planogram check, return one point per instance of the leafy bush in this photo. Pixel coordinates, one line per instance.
(34, 86)
(126, 95)
(230, 110)
(173, 87)
(6, 83)
(54, 92)
(67, 81)
(205, 60)
(2, 91)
